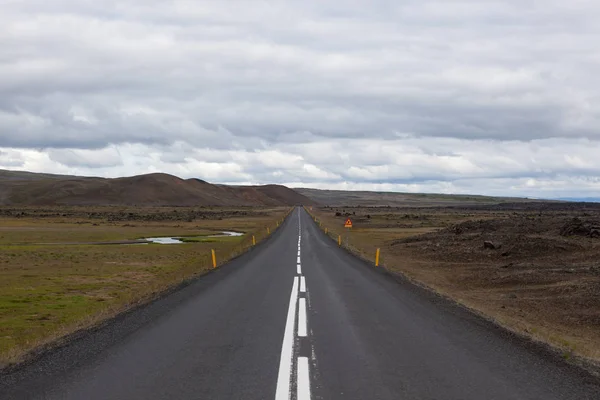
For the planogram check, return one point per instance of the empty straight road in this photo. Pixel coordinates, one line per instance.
(298, 318)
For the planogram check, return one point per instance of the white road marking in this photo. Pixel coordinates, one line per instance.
(299, 269)
(303, 379)
(287, 348)
(302, 317)
(302, 285)
(298, 253)
(298, 261)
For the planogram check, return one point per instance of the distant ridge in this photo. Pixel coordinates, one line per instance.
(27, 188)
(581, 199)
(340, 198)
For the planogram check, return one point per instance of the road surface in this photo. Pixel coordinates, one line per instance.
(298, 317)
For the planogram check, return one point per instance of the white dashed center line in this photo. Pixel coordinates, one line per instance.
(302, 317)
(303, 379)
(286, 363)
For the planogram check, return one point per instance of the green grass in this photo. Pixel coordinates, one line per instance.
(47, 291)
(225, 239)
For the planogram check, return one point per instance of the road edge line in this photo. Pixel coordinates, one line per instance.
(287, 347)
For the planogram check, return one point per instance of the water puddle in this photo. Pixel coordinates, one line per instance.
(164, 240)
(179, 240)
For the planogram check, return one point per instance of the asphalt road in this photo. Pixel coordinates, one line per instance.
(298, 317)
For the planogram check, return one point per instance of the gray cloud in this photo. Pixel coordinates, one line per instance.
(105, 158)
(381, 92)
(11, 159)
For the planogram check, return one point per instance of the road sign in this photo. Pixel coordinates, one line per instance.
(348, 223)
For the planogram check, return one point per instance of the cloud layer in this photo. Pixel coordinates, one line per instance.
(453, 96)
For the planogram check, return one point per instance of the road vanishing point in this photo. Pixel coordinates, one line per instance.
(297, 317)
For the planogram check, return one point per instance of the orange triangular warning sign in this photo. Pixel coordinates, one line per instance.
(348, 223)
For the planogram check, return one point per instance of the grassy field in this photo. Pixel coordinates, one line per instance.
(53, 281)
(537, 281)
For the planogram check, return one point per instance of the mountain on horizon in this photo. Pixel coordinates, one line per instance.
(156, 189)
(159, 189)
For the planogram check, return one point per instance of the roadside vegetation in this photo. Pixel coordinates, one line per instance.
(533, 268)
(58, 274)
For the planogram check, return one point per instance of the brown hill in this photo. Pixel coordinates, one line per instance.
(25, 188)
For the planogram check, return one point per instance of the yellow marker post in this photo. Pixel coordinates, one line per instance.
(326, 231)
(253, 241)
(268, 230)
(377, 258)
(339, 240)
(214, 258)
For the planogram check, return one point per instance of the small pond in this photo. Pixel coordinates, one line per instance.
(178, 240)
(164, 240)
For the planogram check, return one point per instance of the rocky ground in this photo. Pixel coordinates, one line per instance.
(541, 272)
(534, 268)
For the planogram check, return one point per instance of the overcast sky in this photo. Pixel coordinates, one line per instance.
(489, 97)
